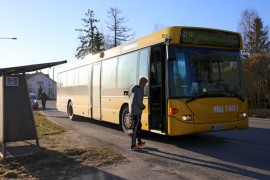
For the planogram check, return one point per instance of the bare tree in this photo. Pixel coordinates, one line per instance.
(257, 76)
(120, 33)
(244, 27)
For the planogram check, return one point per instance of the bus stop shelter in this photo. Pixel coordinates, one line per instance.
(16, 115)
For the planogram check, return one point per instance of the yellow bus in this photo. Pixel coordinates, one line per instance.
(195, 82)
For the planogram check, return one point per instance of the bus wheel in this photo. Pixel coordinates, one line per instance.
(70, 111)
(126, 121)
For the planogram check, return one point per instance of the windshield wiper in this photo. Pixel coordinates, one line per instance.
(201, 95)
(234, 94)
(208, 95)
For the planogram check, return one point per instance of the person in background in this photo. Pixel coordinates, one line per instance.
(136, 107)
(43, 97)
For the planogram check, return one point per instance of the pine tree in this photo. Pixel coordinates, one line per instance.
(256, 38)
(261, 43)
(98, 42)
(91, 40)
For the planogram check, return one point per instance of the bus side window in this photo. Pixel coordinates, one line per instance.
(155, 75)
(143, 68)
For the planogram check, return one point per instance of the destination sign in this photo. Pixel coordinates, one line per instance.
(209, 38)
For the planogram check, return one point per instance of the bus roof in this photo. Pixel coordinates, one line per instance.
(180, 36)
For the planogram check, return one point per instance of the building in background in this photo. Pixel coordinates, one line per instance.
(38, 82)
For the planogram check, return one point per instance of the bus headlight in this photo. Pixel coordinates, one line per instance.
(242, 115)
(187, 118)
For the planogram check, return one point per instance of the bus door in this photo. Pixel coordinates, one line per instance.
(96, 91)
(157, 105)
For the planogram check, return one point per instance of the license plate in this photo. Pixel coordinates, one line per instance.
(218, 127)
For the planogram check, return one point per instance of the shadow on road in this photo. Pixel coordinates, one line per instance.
(203, 163)
(219, 146)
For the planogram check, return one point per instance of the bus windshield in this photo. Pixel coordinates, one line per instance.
(202, 72)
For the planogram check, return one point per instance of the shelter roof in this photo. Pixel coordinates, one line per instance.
(29, 68)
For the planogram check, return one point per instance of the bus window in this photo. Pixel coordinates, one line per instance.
(178, 82)
(109, 74)
(143, 68)
(155, 74)
(83, 75)
(64, 79)
(60, 79)
(156, 68)
(205, 72)
(127, 70)
(76, 77)
(70, 78)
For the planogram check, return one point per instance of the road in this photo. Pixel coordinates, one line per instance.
(239, 154)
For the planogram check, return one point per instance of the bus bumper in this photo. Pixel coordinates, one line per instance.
(177, 127)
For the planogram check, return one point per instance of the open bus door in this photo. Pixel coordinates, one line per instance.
(157, 103)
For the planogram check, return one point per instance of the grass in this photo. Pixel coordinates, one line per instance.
(46, 127)
(54, 160)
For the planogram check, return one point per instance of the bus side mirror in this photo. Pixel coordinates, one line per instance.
(170, 52)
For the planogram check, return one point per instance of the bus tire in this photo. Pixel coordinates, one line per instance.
(70, 111)
(125, 119)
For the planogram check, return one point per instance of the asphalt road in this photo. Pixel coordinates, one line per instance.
(239, 154)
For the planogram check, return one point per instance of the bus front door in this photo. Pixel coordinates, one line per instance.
(96, 92)
(156, 87)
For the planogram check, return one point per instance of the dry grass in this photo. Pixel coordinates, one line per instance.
(54, 160)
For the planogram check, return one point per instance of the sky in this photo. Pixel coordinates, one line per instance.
(45, 29)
